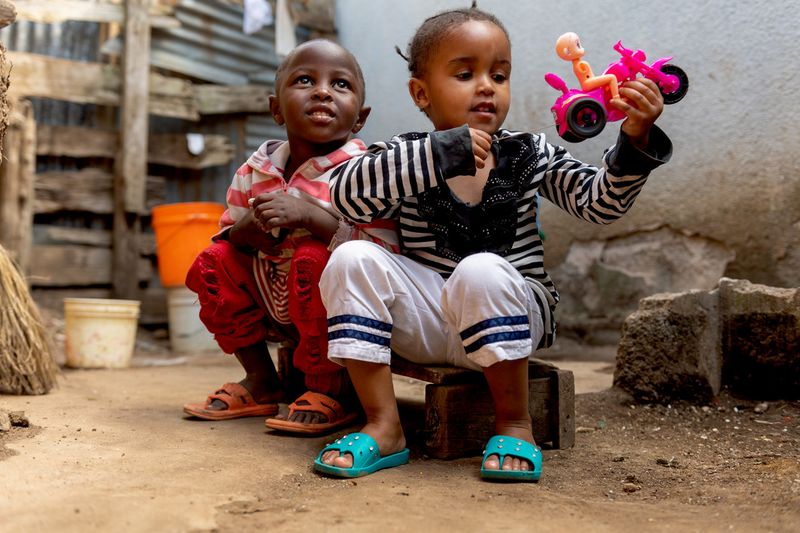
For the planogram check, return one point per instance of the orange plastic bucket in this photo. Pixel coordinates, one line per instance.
(182, 231)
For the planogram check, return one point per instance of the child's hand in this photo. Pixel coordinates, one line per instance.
(642, 102)
(279, 210)
(481, 146)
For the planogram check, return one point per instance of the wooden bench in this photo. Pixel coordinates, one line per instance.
(459, 413)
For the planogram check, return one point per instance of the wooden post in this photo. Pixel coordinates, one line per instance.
(26, 192)
(17, 174)
(130, 170)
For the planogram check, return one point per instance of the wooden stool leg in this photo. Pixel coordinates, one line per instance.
(459, 418)
(563, 384)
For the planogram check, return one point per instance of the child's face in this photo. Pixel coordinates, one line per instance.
(319, 97)
(466, 79)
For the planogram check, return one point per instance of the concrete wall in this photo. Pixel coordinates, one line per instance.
(734, 176)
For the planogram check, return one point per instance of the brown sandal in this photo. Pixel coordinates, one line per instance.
(318, 403)
(239, 401)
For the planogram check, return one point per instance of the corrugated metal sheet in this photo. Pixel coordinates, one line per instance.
(69, 40)
(208, 47)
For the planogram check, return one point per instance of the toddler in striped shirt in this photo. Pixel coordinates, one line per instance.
(469, 287)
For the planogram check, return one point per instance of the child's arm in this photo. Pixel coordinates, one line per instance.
(602, 195)
(369, 186)
(281, 210)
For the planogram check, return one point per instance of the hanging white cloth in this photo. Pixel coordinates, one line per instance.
(285, 36)
(257, 14)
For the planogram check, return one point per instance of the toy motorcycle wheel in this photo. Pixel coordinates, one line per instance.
(683, 84)
(571, 137)
(585, 118)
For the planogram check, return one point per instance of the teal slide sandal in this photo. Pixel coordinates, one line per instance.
(502, 446)
(366, 456)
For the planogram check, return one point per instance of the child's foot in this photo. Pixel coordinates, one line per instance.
(233, 400)
(520, 431)
(260, 394)
(390, 440)
(313, 413)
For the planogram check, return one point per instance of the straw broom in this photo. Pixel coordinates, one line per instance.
(26, 362)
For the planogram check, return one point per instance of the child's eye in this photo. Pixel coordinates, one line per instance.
(341, 84)
(499, 77)
(303, 80)
(464, 75)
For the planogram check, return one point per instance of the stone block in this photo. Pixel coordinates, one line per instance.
(670, 349)
(601, 282)
(760, 339)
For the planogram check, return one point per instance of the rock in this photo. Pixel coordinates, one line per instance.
(5, 421)
(670, 349)
(19, 419)
(601, 282)
(760, 339)
(630, 487)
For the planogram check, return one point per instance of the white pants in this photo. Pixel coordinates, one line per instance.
(378, 301)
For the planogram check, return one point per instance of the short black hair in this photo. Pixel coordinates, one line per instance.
(435, 28)
(281, 70)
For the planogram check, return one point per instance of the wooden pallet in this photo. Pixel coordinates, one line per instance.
(459, 413)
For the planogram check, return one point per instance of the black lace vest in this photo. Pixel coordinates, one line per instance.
(491, 225)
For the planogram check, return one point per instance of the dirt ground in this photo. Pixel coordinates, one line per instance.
(110, 450)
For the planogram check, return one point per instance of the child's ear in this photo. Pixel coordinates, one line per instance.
(418, 90)
(275, 109)
(362, 119)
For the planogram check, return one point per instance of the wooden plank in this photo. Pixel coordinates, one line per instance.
(219, 99)
(172, 97)
(434, 374)
(76, 141)
(130, 169)
(563, 412)
(84, 82)
(16, 183)
(443, 374)
(314, 14)
(88, 237)
(172, 150)
(163, 149)
(88, 11)
(59, 265)
(130, 172)
(61, 79)
(26, 188)
(87, 190)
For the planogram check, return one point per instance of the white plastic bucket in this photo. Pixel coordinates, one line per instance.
(187, 334)
(100, 333)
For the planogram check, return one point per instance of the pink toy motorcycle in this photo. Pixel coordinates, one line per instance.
(582, 113)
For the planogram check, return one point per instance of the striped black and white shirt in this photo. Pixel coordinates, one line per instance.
(405, 179)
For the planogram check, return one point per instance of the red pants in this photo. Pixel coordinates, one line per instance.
(233, 311)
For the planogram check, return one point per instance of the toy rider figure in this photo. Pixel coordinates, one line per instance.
(568, 48)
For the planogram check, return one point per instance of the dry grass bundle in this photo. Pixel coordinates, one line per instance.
(26, 361)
